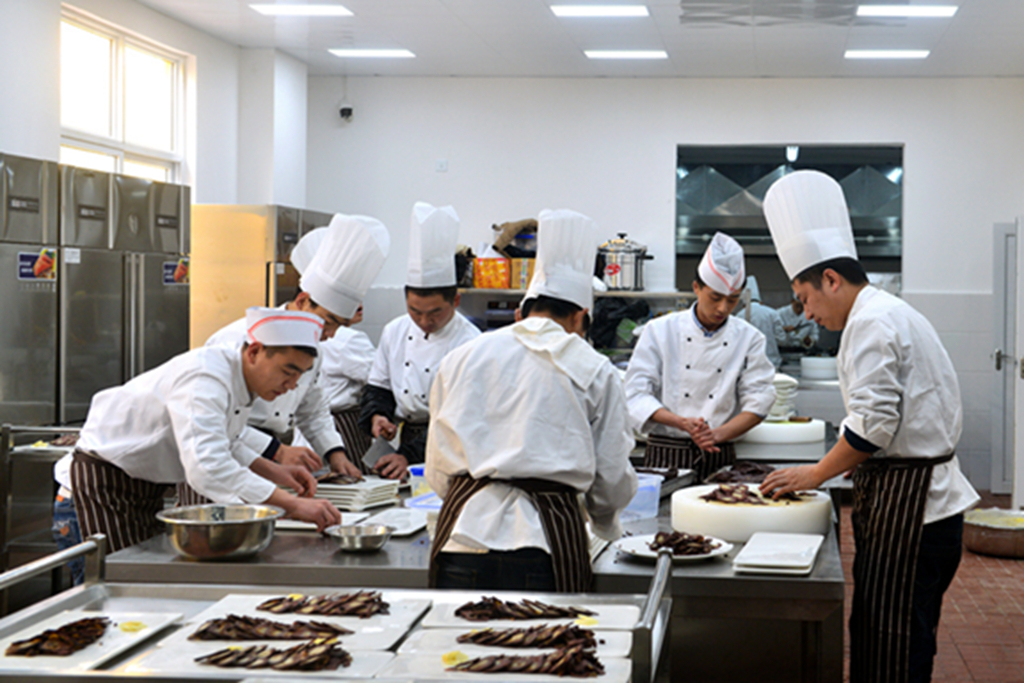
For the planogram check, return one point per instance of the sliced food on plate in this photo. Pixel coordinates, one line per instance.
(362, 604)
(62, 641)
(321, 654)
(682, 543)
(540, 636)
(234, 627)
(575, 661)
(495, 608)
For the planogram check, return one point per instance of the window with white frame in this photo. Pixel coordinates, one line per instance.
(122, 101)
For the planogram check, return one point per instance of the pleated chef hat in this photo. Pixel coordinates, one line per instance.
(566, 250)
(346, 264)
(303, 253)
(755, 291)
(722, 267)
(277, 327)
(809, 221)
(433, 239)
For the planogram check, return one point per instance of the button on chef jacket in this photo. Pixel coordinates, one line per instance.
(347, 359)
(560, 415)
(304, 407)
(407, 361)
(901, 393)
(678, 366)
(180, 422)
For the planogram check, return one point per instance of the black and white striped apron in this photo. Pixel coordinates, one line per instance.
(356, 441)
(670, 451)
(110, 502)
(889, 496)
(560, 517)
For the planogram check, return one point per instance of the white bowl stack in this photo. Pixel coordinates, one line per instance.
(785, 398)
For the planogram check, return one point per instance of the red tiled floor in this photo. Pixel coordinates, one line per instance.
(981, 636)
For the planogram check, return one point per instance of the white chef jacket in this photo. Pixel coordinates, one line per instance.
(529, 401)
(407, 360)
(768, 321)
(347, 359)
(304, 407)
(679, 366)
(901, 393)
(179, 422)
(804, 327)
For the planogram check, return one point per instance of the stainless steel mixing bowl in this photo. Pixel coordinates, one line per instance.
(220, 532)
(360, 539)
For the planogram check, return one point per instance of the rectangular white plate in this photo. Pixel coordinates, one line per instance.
(178, 660)
(379, 632)
(616, 670)
(437, 641)
(743, 569)
(347, 519)
(112, 643)
(768, 550)
(405, 521)
(609, 617)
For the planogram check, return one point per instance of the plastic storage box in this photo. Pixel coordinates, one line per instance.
(645, 502)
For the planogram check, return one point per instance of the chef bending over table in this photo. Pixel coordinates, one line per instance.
(522, 421)
(182, 421)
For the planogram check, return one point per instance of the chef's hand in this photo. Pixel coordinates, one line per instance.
(789, 480)
(357, 318)
(315, 510)
(341, 463)
(392, 466)
(789, 328)
(293, 477)
(703, 435)
(298, 455)
(381, 426)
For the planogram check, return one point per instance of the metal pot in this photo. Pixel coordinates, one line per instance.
(622, 263)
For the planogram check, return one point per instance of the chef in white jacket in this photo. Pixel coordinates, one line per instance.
(347, 360)
(765, 319)
(699, 378)
(902, 426)
(338, 264)
(800, 332)
(182, 421)
(524, 420)
(412, 346)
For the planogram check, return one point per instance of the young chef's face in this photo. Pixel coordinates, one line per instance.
(275, 371)
(822, 304)
(714, 308)
(430, 313)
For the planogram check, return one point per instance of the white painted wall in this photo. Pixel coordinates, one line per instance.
(256, 126)
(607, 147)
(290, 107)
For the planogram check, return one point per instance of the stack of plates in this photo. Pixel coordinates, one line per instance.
(773, 553)
(785, 397)
(369, 493)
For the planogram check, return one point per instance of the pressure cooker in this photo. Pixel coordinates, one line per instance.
(622, 263)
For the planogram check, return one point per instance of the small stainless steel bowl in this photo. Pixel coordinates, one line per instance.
(360, 539)
(220, 532)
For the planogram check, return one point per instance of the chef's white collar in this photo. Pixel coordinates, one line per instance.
(700, 326)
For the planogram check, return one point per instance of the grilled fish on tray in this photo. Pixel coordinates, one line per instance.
(570, 661)
(543, 636)
(63, 641)
(234, 627)
(362, 604)
(494, 608)
(321, 654)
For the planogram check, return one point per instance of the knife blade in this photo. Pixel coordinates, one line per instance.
(377, 450)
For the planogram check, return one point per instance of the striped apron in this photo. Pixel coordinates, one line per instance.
(110, 502)
(560, 516)
(670, 451)
(356, 441)
(889, 496)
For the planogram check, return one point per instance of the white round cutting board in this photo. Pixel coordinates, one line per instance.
(786, 432)
(737, 523)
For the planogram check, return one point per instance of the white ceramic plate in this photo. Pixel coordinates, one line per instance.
(638, 546)
(616, 670)
(766, 550)
(347, 519)
(404, 521)
(112, 643)
(430, 641)
(608, 617)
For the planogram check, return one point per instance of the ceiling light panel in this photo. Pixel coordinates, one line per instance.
(302, 10)
(600, 10)
(907, 11)
(372, 53)
(886, 54)
(626, 54)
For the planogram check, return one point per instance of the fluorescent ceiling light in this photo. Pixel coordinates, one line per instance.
(626, 54)
(371, 53)
(886, 54)
(600, 10)
(943, 11)
(303, 10)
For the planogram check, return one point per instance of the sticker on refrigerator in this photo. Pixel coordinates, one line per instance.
(37, 265)
(176, 272)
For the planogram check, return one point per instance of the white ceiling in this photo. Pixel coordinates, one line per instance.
(714, 38)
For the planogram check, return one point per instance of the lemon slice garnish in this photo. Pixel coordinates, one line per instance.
(295, 596)
(586, 621)
(131, 626)
(454, 657)
(40, 444)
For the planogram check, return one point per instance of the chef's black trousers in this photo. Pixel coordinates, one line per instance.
(937, 561)
(527, 569)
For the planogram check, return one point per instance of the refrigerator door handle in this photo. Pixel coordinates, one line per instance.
(131, 285)
(138, 345)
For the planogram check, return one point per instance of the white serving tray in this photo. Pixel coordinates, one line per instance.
(404, 521)
(437, 641)
(775, 551)
(608, 617)
(638, 546)
(112, 643)
(616, 670)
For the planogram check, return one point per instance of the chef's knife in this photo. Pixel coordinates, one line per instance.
(377, 450)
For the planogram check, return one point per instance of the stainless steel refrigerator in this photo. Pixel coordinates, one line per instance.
(28, 290)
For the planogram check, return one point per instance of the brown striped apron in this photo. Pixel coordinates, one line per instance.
(670, 451)
(560, 517)
(889, 496)
(356, 441)
(110, 502)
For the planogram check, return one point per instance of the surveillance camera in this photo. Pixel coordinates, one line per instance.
(346, 112)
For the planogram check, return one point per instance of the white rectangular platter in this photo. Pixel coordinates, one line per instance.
(379, 632)
(404, 521)
(347, 519)
(437, 641)
(616, 670)
(608, 617)
(766, 550)
(113, 642)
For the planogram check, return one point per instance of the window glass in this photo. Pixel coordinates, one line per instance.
(86, 158)
(85, 97)
(141, 169)
(148, 99)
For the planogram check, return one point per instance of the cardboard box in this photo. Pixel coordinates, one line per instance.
(491, 273)
(522, 271)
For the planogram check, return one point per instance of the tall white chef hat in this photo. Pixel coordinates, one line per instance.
(722, 268)
(809, 221)
(303, 253)
(566, 251)
(755, 291)
(277, 327)
(346, 264)
(433, 239)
